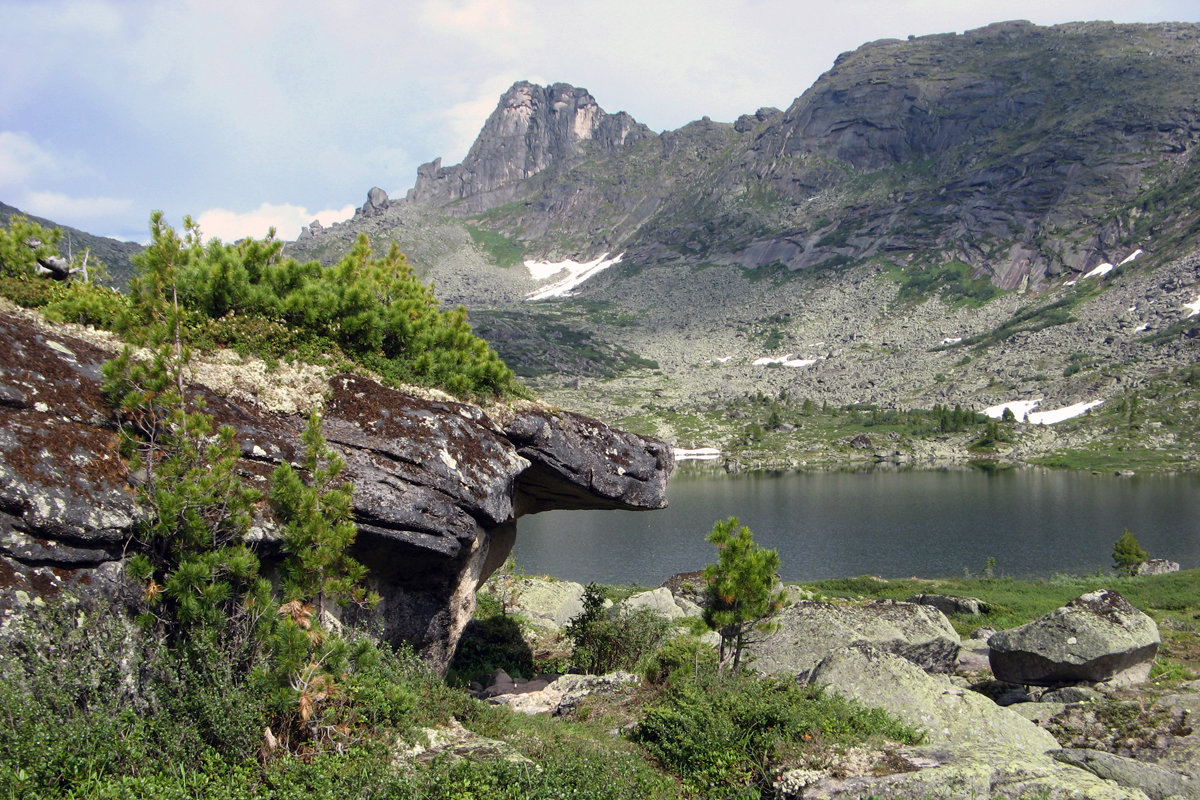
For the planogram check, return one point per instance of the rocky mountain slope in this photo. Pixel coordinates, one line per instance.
(921, 226)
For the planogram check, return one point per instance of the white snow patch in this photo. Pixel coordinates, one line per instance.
(1144, 326)
(1193, 307)
(1131, 257)
(1102, 269)
(722, 359)
(1070, 283)
(1133, 308)
(789, 360)
(952, 340)
(1019, 408)
(1059, 414)
(576, 273)
(696, 453)
(1023, 411)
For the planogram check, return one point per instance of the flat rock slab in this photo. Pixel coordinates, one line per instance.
(947, 713)
(1097, 637)
(807, 631)
(952, 772)
(1157, 782)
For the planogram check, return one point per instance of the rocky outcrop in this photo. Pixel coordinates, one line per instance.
(1157, 782)
(560, 695)
(1096, 637)
(439, 484)
(807, 631)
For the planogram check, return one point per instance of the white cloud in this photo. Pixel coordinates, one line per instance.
(287, 219)
(489, 21)
(58, 206)
(21, 158)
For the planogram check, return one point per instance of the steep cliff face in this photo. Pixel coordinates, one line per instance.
(532, 129)
(438, 484)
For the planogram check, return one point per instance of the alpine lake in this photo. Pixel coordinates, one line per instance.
(1019, 523)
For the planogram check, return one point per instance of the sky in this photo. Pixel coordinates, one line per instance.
(247, 114)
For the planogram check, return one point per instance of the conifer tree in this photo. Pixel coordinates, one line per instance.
(740, 589)
(318, 528)
(191, 555)
(1128, 555)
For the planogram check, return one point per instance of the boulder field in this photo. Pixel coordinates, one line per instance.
(983, 737)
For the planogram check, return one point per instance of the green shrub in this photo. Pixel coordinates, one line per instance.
(607, 640)
(374, 309)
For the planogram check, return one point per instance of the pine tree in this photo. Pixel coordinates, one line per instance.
(740, 588)
(190, 549)
(1128, 555)
(318, 527)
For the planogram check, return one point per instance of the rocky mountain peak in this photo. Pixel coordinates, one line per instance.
(532, 129)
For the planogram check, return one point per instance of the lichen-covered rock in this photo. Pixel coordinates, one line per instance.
(1157, 566)
(438, 484)
(452, 742)
(663, 603)
(947, 713)
(807, 631)
(1157, 782)
(547, 603)
(564, 694)
(953, 772)
(949, 603)
(1096, 637)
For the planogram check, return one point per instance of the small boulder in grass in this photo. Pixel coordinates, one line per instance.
(1097, 637)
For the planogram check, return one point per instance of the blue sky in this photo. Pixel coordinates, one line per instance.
(258, 112)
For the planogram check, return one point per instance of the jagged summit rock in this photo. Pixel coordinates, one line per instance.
(532, 128)
(377, 203)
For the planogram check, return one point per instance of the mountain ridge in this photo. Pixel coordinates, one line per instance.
(929, 123)
(934, 222)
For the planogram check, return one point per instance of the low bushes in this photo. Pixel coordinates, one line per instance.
(724, 732)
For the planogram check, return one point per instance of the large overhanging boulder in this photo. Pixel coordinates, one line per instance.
(804, 633)
(1096, 637)
(438, 484)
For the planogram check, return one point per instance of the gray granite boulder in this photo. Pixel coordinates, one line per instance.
(1157, 566)
(1097, 637)
(949, 603)
(946, 713)
(807, 631)
(663, 603)
(548, 603)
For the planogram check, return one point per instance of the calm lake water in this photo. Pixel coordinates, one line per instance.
(886, 523)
